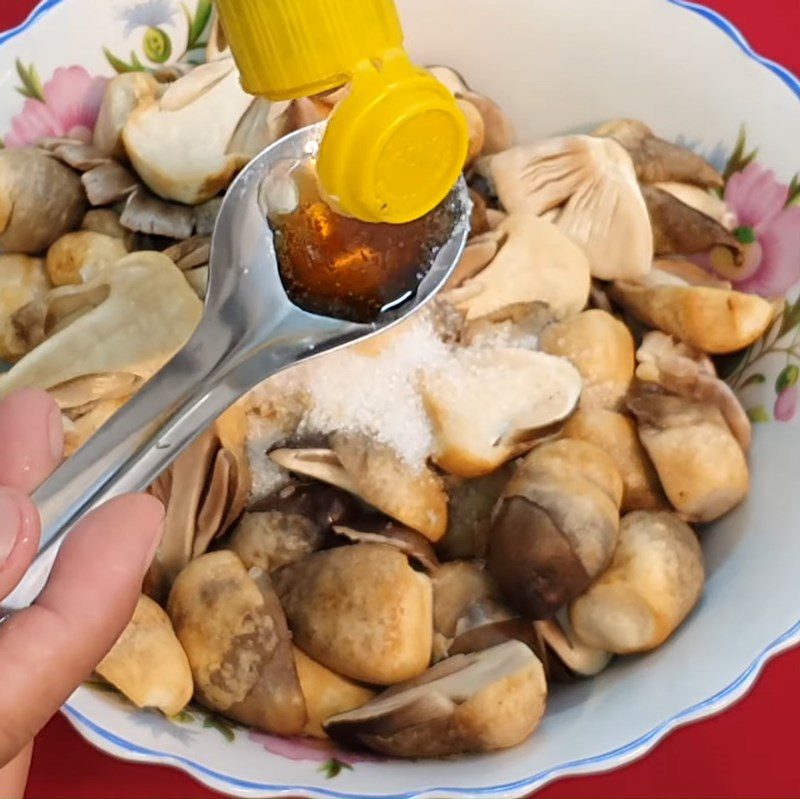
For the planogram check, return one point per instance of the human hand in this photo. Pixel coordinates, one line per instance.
(47, 650)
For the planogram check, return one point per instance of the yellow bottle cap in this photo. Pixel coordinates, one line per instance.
(295, 48)
(394, 148)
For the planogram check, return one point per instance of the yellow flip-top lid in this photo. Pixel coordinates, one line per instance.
(396, 145)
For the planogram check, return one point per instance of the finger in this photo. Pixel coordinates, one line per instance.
(19, 537)
(33, 439)
(47, 650)
(15, 775)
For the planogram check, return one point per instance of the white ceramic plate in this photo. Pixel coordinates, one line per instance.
(555, 66)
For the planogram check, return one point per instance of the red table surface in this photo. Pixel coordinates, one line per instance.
(750, 751)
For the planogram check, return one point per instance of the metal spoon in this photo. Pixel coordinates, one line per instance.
(250, 330)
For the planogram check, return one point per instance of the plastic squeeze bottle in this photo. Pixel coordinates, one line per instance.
(395, 146)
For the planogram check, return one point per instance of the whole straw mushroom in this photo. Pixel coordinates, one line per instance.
(651, 586)
(555, 528)
(479, 702)
(601, 348)
(147, 663)
(234, 633)
(40, 200)
(22, 280)
(80, 256)
(699, 462)
(361, 610)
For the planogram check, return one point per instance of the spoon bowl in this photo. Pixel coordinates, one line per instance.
(250, 330)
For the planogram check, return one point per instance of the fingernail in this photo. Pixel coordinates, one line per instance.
(55, 429)
(10, 524)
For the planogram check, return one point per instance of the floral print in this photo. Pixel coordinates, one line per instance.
(67, 105)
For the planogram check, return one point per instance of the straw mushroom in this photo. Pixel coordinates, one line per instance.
(107, 222)
(712, 320)
(326, 693)
(80, 256)
(593, 183)
(705, 201)
(524, 260)
(234, 633)
(147, 663)
(566, 657)
(270, 540)
(700, 463)
(377, 530)
(651, 586)
(601, 348)
(123, 95)
(479, 702)
(657, 160)
(40, 200)
(555, 529)
(616, 434)
(209, 99)
(362, 611)
(22, 280)
(491, 405)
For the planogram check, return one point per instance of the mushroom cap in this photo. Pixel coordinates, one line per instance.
(326, 693)
(616, 434)
(529, 260)
(601, 348)
(362, 611)
(235, 636)
(477, 702)
(40, 200)
(78, 257)
(203, 107)
(123, 95)
(490, 405)
(148, 664)
(713, 320)
(700, 464)
(456, 587)
(653, 582)
(555, 529)
(271, 539)
(593, 183)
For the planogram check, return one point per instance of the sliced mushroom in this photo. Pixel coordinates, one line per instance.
(555, 529)
(469, 703)
(145, 213)
(109, 183)
(712, 320)
(203, 107)
(413, 495)
(616, 434)
(40, 200)
(594, 184)
(491, 405)
(123, 95)
(680, 370)
(234, 633)
(362, 611)
(530, 260)
(81, 256)
(79, 155)
(23, 280)
(132, 318)
(326, 693)
(390, 534)
(567, 656)
(270, 540)
(147, 663)
(519, 325)
(654, 581)
(77, 431)
(699, 462)
(686, 271)
(680, 229)
(656, 160)
(601, 348)
(321, 504)
(705, 201)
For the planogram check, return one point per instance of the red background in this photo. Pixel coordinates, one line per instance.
(750, 751)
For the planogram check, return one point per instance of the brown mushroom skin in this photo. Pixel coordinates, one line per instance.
(362, 611)
(651, 586)
(556, 527)
(271, 539)
(235, 636)
(616, 434)
(40, 200)
(602, 350)
(698, 460)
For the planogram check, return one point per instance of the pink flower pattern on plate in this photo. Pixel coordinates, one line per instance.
(309, 749)
(772, 264)
(72, 99)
